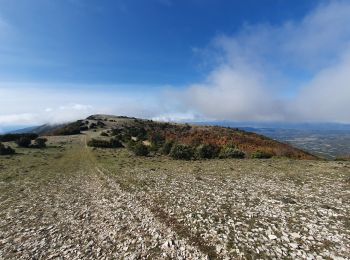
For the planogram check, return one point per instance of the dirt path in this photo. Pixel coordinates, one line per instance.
(83, 214)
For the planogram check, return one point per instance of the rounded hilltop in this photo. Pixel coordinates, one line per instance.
(203, 141)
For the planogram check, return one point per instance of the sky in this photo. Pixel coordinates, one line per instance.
(177, 60)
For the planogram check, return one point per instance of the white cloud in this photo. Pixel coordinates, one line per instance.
(327, 96)
(233, 93)
(176, 117)
(17, 119)
(259, 66)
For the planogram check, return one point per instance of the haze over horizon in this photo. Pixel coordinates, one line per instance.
(263, 61)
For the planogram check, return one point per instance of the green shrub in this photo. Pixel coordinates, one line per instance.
(116, 131)
(113, 143)
(15, 137)
(167, 147)
(70, 129)
(153, 148)
(130, 144)
(104, 134)
(125, 137)
(40, 142)
(207, 151)
(156, 139)
(24, 142)
(261, 155)
(98, 143)
(92, 126)
(6, 150)
(231, 152)
(138, 132)
(181, 152)
(342, 158)
(140, 149)
(100, 123)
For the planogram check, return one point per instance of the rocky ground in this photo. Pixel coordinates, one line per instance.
(72, 202)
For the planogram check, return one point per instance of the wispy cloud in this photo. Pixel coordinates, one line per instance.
(5, 30)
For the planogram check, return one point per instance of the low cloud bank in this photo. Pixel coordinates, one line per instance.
(34, 104)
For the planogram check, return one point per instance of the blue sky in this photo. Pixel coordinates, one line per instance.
(174, 60)
(142, 42)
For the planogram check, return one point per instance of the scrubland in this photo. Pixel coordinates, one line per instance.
(71, 201)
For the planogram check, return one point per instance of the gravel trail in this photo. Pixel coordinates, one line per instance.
(83, 214)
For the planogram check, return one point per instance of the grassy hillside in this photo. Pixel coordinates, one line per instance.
(71, 201)
(158, 133)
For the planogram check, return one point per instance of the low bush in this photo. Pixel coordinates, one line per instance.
(125, 137)
(153, 147)
(140, 149)
(115, 143)
(130, 144)
(112, 143)
(6, 150)
(15, 137)
(156, 139)
(24, 142)
(139, 132)
(231, 152)
(92, 126)
(342, 158)
(207, 151)
(70, 129)
(166, 148)
(261, 155)
(104, 134)
(99, 143)
(84, 128)
(40, 142)
(100, 123)
(181, 152)
(116, 131)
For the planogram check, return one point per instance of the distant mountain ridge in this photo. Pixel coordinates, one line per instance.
(277, 125)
